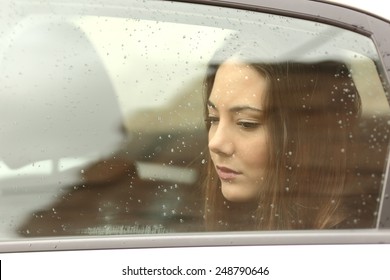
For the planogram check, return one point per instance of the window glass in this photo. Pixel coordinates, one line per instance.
(103, 132)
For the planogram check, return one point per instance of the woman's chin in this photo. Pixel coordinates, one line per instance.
(234, 193)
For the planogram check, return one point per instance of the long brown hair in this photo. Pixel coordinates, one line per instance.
(311, 111)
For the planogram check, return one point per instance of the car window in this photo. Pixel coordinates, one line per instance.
(103, 126)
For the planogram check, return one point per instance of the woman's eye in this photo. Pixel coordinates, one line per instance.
(248, 125)
(210, 120)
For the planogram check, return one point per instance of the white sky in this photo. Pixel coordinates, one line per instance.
(379, 7)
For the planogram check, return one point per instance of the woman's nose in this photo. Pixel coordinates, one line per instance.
(220, 140)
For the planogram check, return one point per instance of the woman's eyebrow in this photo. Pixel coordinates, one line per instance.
(240, 108)
(211, 104)
(237, 108)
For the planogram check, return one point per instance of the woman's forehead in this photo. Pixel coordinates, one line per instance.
(237, 84)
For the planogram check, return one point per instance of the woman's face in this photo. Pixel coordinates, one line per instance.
(238, 136)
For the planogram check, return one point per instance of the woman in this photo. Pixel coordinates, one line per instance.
(279, 145)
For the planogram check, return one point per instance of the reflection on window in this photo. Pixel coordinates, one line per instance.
(107, 132)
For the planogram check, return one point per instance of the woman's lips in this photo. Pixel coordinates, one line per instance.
(225, 173)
